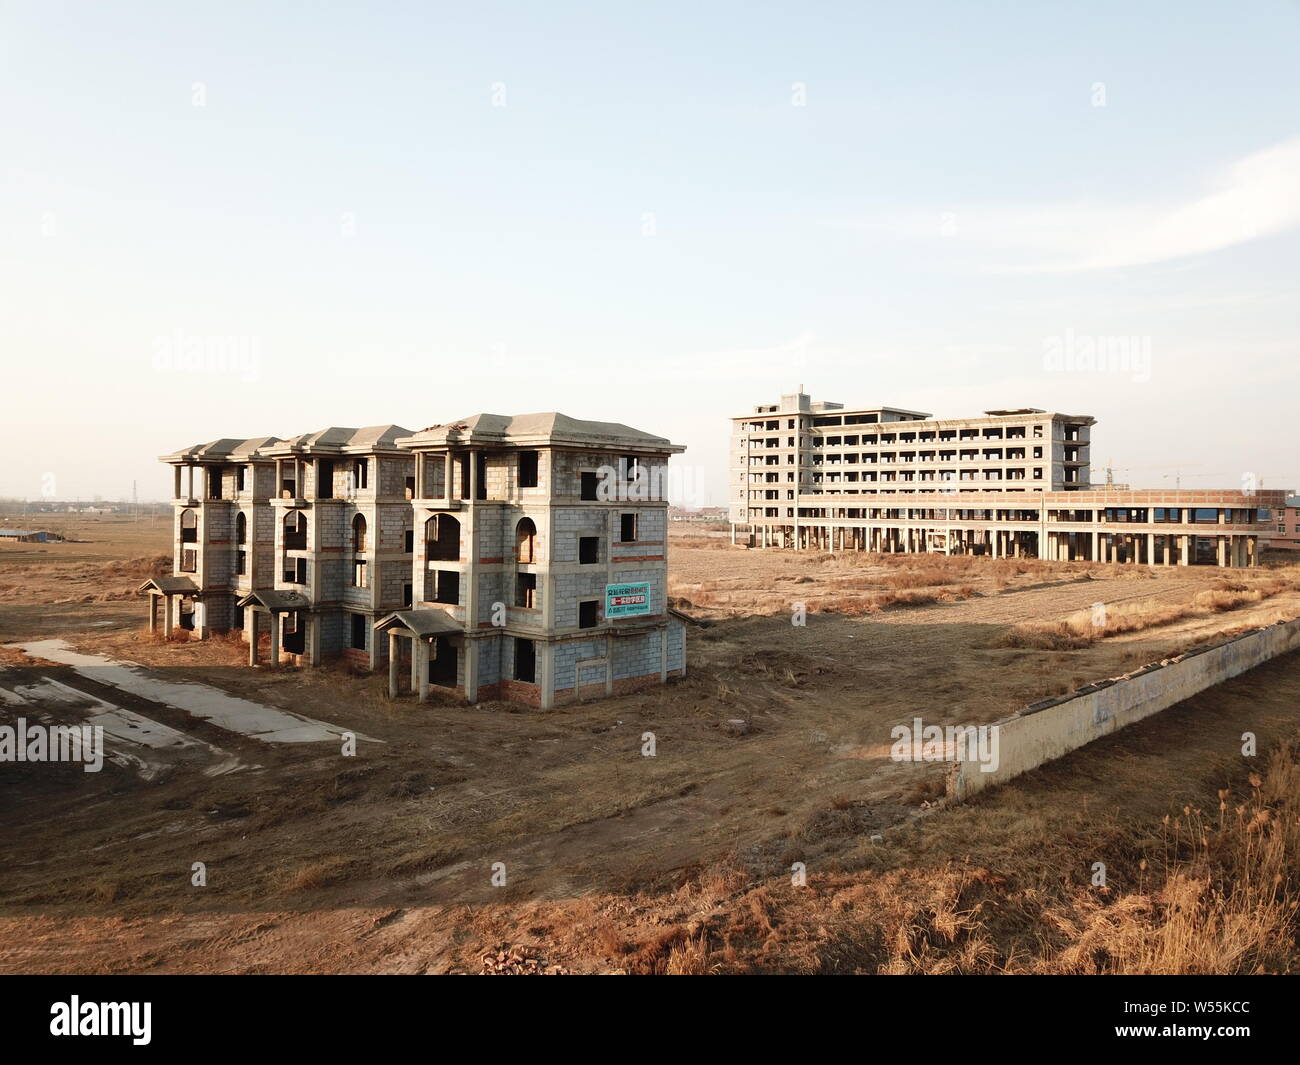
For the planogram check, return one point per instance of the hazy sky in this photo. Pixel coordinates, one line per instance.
(661, 214)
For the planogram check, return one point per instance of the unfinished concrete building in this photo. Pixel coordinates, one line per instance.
(309, 538)
(1013, 482)
(540, 567)
(520, 557)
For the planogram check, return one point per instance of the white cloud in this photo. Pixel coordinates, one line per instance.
(1255, 197)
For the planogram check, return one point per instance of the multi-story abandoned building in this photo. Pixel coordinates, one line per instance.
(522, 557)
(311, 533)
(1012, 482)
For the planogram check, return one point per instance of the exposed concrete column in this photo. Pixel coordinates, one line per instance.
(448, 472)
(176, 491)
(420, 666)
(313, 640)
(191, 485)
(471, 672)
(168, 617)
(250, 627)
(276, 620)
(1221, 550)
(392, 663)
(153, 612)
(1184, 543)
(546, 674)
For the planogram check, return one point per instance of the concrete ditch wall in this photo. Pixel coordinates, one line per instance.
(1051, 728)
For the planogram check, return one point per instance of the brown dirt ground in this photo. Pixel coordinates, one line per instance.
(615, 862)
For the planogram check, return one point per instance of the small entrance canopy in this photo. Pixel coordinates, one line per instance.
(277, 602)
(274, 602)
(420, 627)
(167, 589)
(420, 623)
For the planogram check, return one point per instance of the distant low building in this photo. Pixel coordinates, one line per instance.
(26, 536)
(1286, 529)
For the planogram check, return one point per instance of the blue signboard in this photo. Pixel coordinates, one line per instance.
(627, 600)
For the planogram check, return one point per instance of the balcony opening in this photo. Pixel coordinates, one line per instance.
(442, 538)
(324, 478)
(295, 531)
(443, 586)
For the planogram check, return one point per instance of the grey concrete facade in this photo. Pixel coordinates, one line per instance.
(479, 554)
(1009, 483)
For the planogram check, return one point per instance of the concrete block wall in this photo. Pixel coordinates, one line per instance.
(1051, 728)
(389, 580)
(389, 479)
(566, 655)
(676, 645)
(333, 631)
(491, 653)
(573, 523)
(636, 656)
(571, 589)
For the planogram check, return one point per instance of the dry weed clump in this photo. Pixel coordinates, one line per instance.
(1083, 627)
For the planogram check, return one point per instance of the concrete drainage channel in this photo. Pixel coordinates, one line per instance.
(1051, 728)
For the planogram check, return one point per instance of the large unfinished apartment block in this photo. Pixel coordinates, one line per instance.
(520, 557)
(1013, 482)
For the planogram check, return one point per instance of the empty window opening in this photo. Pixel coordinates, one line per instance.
(408, 541)
(240, 478)
(294, 634)
(589, 614)
(627, 528)
(241, 563)
(324, 478)
(526, 590)
(189, 560)
(525, 660)
(590, 482)
(588, 549)
(189, 527)
(359, 626)
(359, 574)
(528, 469)
(442, 664)
(361, 473)
(525, 541)
(359, 533)
(214, 483)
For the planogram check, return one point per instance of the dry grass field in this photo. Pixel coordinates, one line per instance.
(772, 751)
